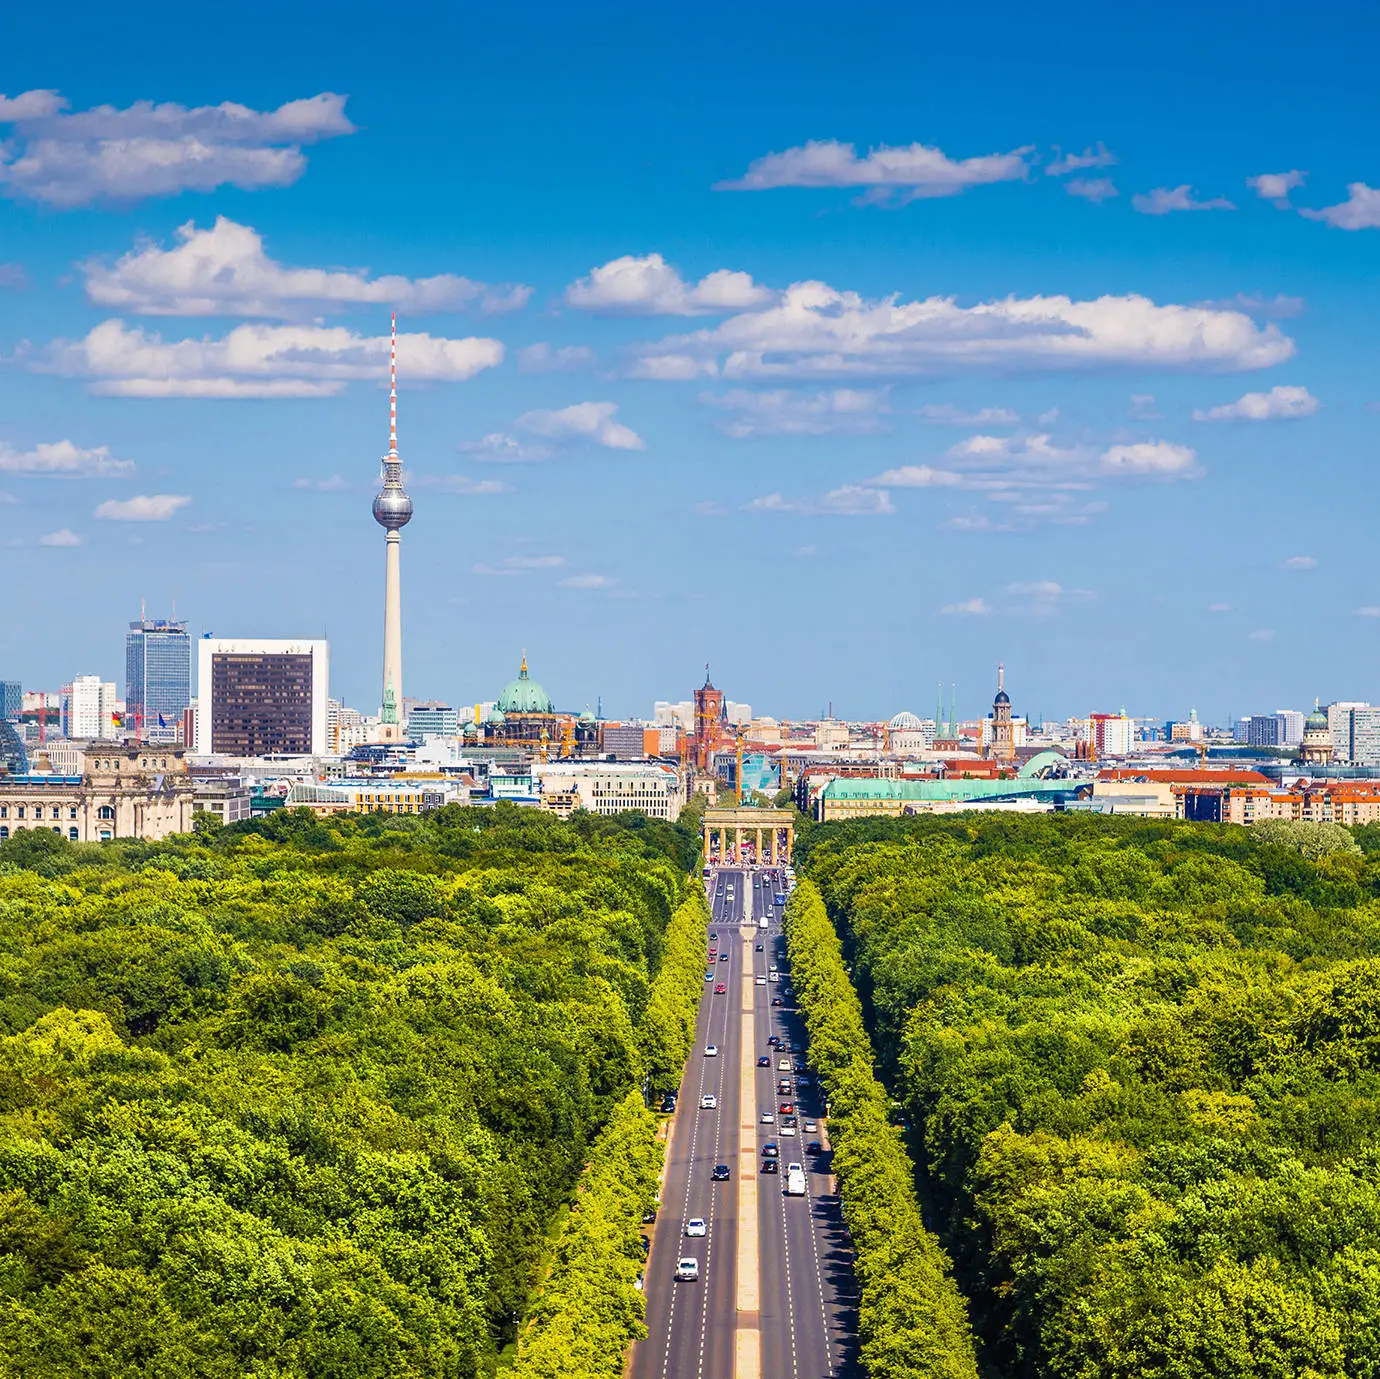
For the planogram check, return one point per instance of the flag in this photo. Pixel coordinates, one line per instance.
(161, 722)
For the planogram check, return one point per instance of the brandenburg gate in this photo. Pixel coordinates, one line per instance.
(765, 835)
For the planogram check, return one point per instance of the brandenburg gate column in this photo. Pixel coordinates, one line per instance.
(757, 845)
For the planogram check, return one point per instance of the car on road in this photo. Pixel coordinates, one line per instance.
(770, 1150)
(764, 1062)
(787, 1130)
(696, 1226)
(784, 1066)
(709, 976)
(787, 1108)
(776, 1000)
(770, 1166)
(758, 949)
(713, 933)
(795, 1180)
(767, 1118)
(720, 1173)
(720, 990)
(711, 1050)
(773, 1040)
(760, 981)
(811, 1126)
(687, 1271)
(709, 1102)
(815, 1147)
(723, 957)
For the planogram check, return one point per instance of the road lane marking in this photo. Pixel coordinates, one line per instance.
(747, 1347)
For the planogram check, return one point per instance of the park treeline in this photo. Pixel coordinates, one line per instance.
(303, 1098)
(1140, 1066)
(911, 1318)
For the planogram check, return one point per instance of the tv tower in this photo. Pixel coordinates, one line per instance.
(392, 511)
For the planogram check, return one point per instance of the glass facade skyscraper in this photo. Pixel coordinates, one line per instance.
(158, 677)
(11, 700)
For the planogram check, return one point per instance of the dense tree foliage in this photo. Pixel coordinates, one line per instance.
(589, 1311)
(1141, 1063)
(911, 1318)
(301, 1098)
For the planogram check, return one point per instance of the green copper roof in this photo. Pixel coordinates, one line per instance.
(865, 788)
(525, 695)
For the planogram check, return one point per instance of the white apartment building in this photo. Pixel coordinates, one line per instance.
(90, 708)
(610, 787)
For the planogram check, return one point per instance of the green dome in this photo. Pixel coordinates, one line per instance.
(1316, 719)
(496, 718)
(524, 695)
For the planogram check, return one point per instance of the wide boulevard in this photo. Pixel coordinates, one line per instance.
(775, 1296)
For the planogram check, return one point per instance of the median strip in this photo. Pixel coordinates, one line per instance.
(747, 1348)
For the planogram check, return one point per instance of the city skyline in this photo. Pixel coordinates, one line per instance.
(1080, 416)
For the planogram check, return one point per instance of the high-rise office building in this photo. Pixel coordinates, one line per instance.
(158, 677)
(1291, 725)
(1340, 724)
(432, 720)
(261, 698)
(11, 700)
(88, 708)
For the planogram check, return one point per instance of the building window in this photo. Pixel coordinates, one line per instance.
(21, 811)
(57, 813)
(105, 812)
(4, 811)
(105, 835)
(72, 812)
(73, 834)
(4, 830)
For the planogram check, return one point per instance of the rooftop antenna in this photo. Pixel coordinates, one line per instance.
(393, 389)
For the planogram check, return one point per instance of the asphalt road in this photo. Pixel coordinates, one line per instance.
(796, 1318)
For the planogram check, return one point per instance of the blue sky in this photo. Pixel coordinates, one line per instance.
(789, 338)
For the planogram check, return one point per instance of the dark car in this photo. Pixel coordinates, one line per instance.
(758, 949)
(773, 1040)
(815, 1147)
(776, 1000)
(713, 933)
(770, 1166)
(668, 1104)
(789, 1121)
(723, 957)
(771, 1150)
(764, 1062)
(720, 1173)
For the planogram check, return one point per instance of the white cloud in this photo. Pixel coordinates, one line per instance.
(1262, 634)
(337, 483)
(224, 271)
(1036, 588)
(946, 414)
(588, 582)
(1360, 211)
(976, 608)
(650, 286)
(152, 507)
(258, 361)
(505, 449)
(1276, 186)
(917, 169)
(64, 459)
(13, 275)
(1300, 562)
(1152, 459)
(1281, 403)
(584, 421)
(521, 565)
(63, 537)
(923, 476)
(1045, 597)
(836, 411)
(65, 159)
(1143, 407)
(1037, 448)
(1278, 307)
(848, 500)
(1094, 189)
(1163, 200)
(541, 358)
(1219, 608)
(1368, 610)
(814, 330)
(856, 500)
(1098, 157)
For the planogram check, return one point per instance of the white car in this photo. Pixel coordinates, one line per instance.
(687, 1270)
(811, 1126)
(788, 1129)
(709, 1102)
(696, 1226)
(767, 1118)
(783, 1065)
(761, 981)
(711, 1050)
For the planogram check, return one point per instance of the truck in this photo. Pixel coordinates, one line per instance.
(795, 1180)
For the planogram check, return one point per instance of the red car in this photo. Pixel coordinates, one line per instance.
(787, 1108)
(720, 989)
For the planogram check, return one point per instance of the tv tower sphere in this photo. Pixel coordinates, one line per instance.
(392, 507)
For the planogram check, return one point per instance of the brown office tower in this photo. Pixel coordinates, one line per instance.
(263, 698)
